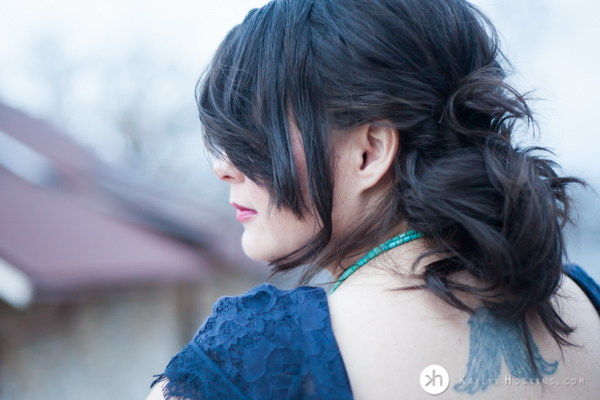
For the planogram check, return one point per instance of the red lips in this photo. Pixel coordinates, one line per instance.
(243, 213)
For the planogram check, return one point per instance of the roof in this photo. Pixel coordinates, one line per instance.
(69, 225)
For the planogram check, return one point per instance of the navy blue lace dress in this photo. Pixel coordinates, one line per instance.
(265, 344)
(274, 344)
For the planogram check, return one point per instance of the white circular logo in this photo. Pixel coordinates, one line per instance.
(434, 379)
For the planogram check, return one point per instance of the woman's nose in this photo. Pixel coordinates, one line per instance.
(226, 171)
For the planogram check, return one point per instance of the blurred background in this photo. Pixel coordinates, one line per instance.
(116, 238)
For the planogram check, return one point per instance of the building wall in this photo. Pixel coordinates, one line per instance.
(102, 348)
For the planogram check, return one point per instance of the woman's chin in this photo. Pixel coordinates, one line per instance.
(256, 248)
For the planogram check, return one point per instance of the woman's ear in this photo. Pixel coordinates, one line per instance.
(378, 146)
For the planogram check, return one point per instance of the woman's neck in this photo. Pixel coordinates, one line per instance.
(393, 267)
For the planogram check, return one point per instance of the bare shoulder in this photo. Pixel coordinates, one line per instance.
(157, 392)
(577, 311)
(387, 338)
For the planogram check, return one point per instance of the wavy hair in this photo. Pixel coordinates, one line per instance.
(434, 71)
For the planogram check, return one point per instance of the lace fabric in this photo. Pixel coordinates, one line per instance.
(264, 344)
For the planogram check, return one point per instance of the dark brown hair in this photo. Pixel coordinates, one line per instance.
(434, 71)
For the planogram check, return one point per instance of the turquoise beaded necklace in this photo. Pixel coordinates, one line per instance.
(382, 248)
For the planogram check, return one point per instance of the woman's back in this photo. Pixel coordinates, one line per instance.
(387, 338)
(366, 343)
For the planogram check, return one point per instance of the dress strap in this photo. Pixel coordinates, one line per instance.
(586, 283)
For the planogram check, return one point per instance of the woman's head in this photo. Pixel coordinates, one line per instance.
(332, 66)
(362, 161)
(431, 74)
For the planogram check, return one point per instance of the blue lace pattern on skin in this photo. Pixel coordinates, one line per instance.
(264, 344)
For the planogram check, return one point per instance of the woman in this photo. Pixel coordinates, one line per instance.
(373, 139)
